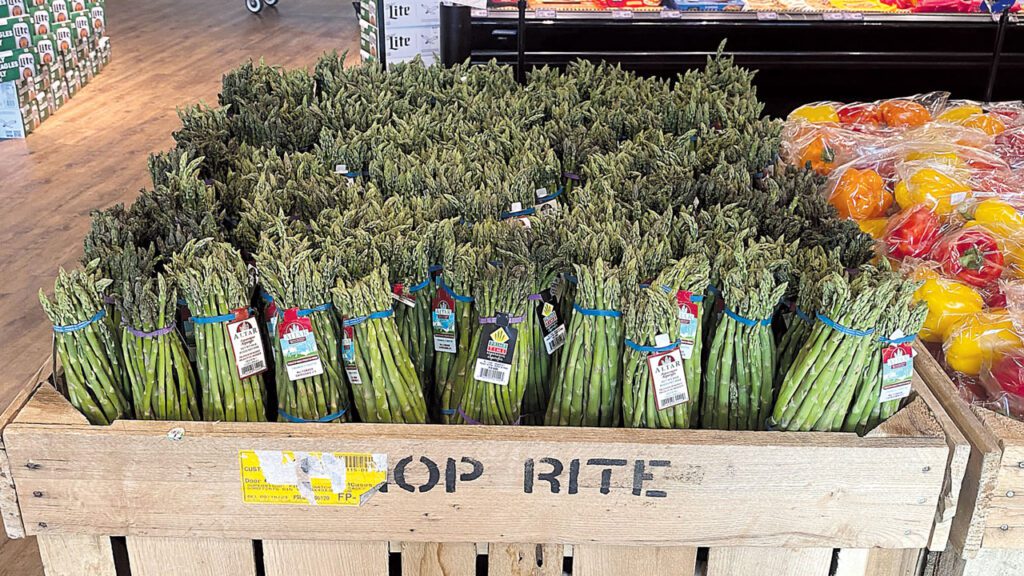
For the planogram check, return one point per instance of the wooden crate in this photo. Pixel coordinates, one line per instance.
(619, 502)
(987, 536)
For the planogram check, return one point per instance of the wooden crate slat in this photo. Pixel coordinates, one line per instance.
(1005, 524)
(988, 562)
(47, 406)
(968, 526)
(438, 559)
(313, 558)
(10, 513)
(596, 560)
(741, 561)
(171, 487)
(524, 560)
(72, 555)
(154, 556)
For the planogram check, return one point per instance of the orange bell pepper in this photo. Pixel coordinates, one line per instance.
(861, 194)
(903, 113)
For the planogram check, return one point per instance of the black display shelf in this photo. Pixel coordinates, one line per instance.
(800, 57)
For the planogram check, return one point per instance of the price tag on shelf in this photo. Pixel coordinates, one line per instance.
(767, 16)
(622, 14)
(478, 13)
(855, 16)
(833, 16)
(670, 14)
(547, 14)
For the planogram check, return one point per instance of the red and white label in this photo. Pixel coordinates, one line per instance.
(244, 332)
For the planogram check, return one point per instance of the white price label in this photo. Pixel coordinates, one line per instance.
(248, 346)
(555, 339)
(833, 16)
(622, 14)
(547, 14)
(353, 375)
(668, 379)
(767, 16)
(669, 14)
(478, 13)
(494, 372)
(445, 343)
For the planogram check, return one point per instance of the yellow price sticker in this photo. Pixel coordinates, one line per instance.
(311, 478)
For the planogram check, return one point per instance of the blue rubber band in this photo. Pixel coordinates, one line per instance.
(372, 316)
(551, 197)
(713, 290)
(524, 212)
(434, 268)
(651, 349)
(448, 411)
(321, 308)
(802, 315)
(182, 302)
(76, 327)
(593, 312)
(843, 329)
(456, 296)
(696, 298)
(420, 286)
(570, 278)
(266, 297)
(904, 340)
(216, 319)
(324, 420)
(746, 321)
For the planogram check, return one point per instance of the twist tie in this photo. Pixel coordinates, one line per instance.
(494, 319)
(651, 349)
(217, 319)
(456, 296)
(371, 316)
(593, 312)
(76, 327)
(895, 341)
(324, 420)
(802, 315)
(154, 334)
(843, 329)
(524, 212)
(749, 322)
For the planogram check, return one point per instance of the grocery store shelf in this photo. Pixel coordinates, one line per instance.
(692, 16)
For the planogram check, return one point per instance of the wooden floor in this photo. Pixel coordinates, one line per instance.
(92, 153)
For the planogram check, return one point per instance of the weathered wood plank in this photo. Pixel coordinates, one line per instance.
(1005, 524)
(70, 555)
(321, 558)
(150, 556)
(590, 560)
(47, 406)
(10, 513)
(438, 559)
(192, 486)
(775, 561)
(524, 560)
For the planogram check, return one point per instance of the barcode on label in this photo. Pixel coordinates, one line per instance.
(493, 372)
(253, 368)
(678, 399)
(488, 374)
(555, 340)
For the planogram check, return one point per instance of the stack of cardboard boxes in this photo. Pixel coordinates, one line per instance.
(49, 49)
(399, 30)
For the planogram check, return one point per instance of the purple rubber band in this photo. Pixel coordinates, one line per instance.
(494, 319)
(154, 334)
(535, 297)
(571, 176)
(476, 423)
(108, 299)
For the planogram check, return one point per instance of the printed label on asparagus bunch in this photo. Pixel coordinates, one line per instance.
(897, 371)
(688, 314)
(442, 318)
(667, 375)
(544, 202)
(495, 352)
(247, 344)
(298, 346)
(400, 293)
(348, 354)
(551, 325)
(311, 478)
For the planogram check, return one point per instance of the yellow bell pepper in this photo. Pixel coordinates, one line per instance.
(874, 227)
(979, 338)
(958, 114)
(937, 190)
(948, 158)
(1006, 223)
(948, 302)
(815, 113)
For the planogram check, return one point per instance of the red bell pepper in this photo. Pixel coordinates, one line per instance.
(1008, 372)
(912, 233)
(972, 255)
(859, 114)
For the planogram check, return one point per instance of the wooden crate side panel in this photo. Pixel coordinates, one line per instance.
(154, 556)
(524, 559)
(988, 562)
(130, 479)
(10, 513)
(1005, 524)
(438, 559)
(321, 558)
(73, 555)
(741, 561)
(878, 562)
(595, 560)
(968, 525)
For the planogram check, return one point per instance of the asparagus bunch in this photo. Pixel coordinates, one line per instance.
(545, 324)
(299, 279)
(811, 266)
(86, 346)
(742, 358)
(820, 384)
(902, 320)
(218, 287)
(588, 388)
(453, 371)
(412, 290)
(686, 281)
(385, 386)
(162, 379)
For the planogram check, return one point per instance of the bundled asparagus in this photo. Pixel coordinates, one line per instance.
(384, 382)
(305, 329)
(163, 383)
(686, 281)
(452, 370)
(742, 358)
(819, 386)
(496, 378)
(411, 289)
(85, 343)
(588, 389)
(545, 323)
(890, 369)
(230, 356)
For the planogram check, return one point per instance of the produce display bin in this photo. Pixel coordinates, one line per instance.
(987, 536)
(617, 501)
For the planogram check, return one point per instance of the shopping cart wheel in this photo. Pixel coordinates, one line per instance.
(254, 6)
(270, 2)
